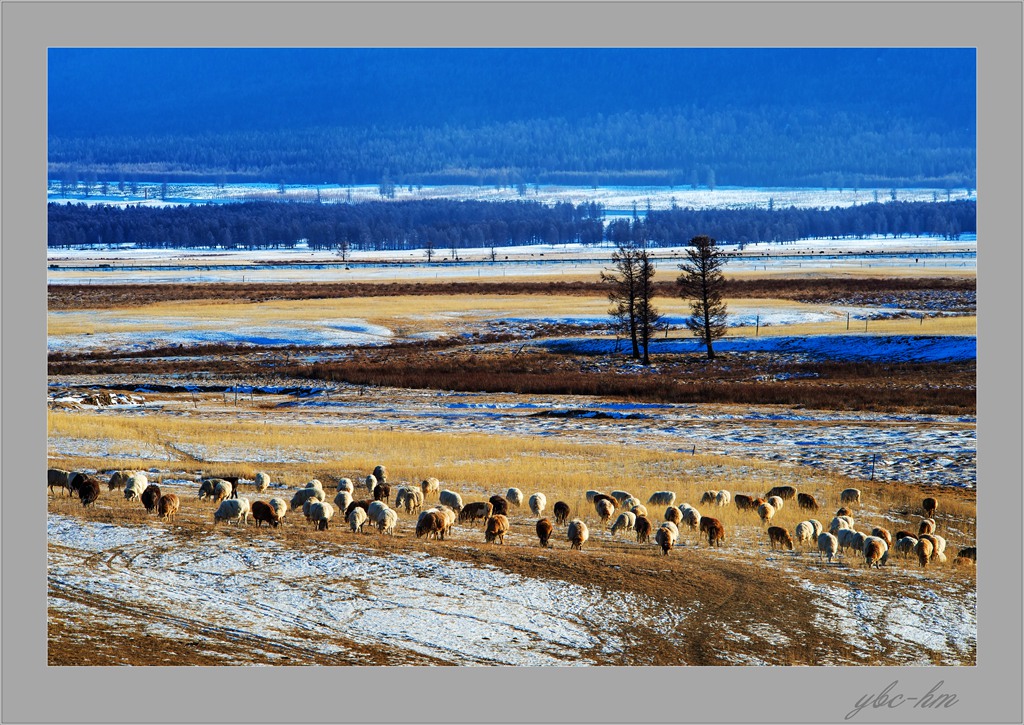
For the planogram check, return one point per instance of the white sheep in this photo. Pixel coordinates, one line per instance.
(429, 485)
(630, 502)
(690, 516)
(370, 482)
(304, 494)
(345, 484)
(514, 496)
(357, 518)
(766, 511)
(538, 502)
(342, 500)
(450, 499)
(708, 498)
(804, 532)
(262, 481)
(828, 545)
(818, 528)
(591, 494)
(621, 496)
(387, 522)
(232, 509)
(136, 484)
(639, 510)
(625, 522)
(927, 526)
(315, 483)
(722, 498)
(840, 522)
(375, 509)
(666, 536)
(858, 539)
(450, 517)
(850, 495)
(320, 513)
(674, 515)
(408, 497)
(577, 534)
(279, 506)
(845, 537)
(776, 502)
(662, 498)
(221, 489)
(605, 509)
(381, 474)
(905, 545)
(939, 546)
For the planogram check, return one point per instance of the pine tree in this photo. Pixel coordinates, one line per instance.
(702, 283)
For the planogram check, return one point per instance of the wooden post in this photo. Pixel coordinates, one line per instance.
(847, 320)
(873, 456)
(694, 451)
(757, 326)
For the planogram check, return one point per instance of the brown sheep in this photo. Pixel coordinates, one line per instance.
(605, 497)
(262, 511)
(477, 510)
(561, 512)
(924, 550)
(929, 505)
(843, 511)
(766, 511)
(118, 479)
(882, 534)
(903, 534)
(168, 505)
(714, 529)
(88, 489)
(382, 492)
(151, 497)
(783, 492)
(499, 505)
(430, 524)
(709, 498)
(495, 529)
(643, 529)
(806, 501)
(364, 504)
(744, 502)
(674, 515)
(544, 529)
(605, 509)
(778, 535)
(927, 527)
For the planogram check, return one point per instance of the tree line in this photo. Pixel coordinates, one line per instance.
(691, 146)
(443, 224)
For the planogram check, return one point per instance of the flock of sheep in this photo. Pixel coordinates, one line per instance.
(436, 522)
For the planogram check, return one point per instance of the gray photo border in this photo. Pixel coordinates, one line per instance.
(31, 692)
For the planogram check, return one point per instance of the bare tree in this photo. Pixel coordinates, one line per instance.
(648, 319)
(702, 283)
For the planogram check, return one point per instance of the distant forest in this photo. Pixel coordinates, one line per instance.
(453, 225)
(846, 118)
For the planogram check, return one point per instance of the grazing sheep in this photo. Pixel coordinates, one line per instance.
(927, 526)
(639, 510)
(363, 504)
(604, 497)
(357, 518)
(451, 499)
(604, 509)
(515, 497)
(382, 492)
(850, 495)
(577, 534)
(901, 533)
(778, 535)
(305, 494)
(375, 509)
(232, 509)
(58, 477)
(591, 494)
(818, 528)
(370, 482)
(642, 525)
(662, 498)
(843, 511)
(495, 529)
(714, 529)
(544, 529)
(783, 492)
(118, 480)
(690, 516)
(708, 498)
(776, 502)
(929, 505)
(744, 502)
(845, 537)
(804, 532)
(674, 515)
(409, 497)
(381, 474)
(387, 522)
(477, 510)
(840, 522)
(88, 489)
(666, 537)
(262, 481)
(449, 516)
(206, 488)
(430, 485)
(969, 553)
(307, 505)
(321, 513)
(857, 540)
(264, 512)
(167, 507)
(876, 551)
(345, 484)
(924, 550)
(429, 524)
(882, 534)
(538, 502)
(625, 522)
(279, 506)
(621, 496)
(905, 545)
(342, 499)
(151, 497)
(500, 505)
(722, 498)
(938, 546)
(136, 484)
(828, 545)
(313, 483)
(561, 510)
(766, 511)
(75, 481)
(806, 501)
(630, 503)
